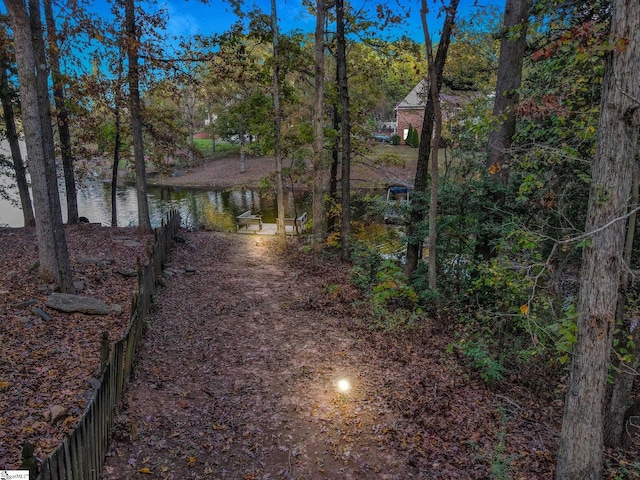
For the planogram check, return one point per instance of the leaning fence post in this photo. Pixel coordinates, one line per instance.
(104, 351)
(29, 462)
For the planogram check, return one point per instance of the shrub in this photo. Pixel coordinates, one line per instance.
(479, 358)
(413, 138)
(391, 301)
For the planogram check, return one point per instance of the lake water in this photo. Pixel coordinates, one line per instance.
(194, 205)
(94, 202)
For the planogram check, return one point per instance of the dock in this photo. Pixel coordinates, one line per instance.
(267, 229)
(249, 223)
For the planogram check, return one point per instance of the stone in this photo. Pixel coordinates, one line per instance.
(68, 303)
(95, 261)
(50, 287)
(115, 308)
(127, 273)
(25, 304)
(131, 243)
(57, 413)
(41, 313)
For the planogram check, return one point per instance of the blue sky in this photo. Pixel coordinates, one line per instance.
(189, 17)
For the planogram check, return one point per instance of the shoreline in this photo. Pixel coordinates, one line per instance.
(224, 173)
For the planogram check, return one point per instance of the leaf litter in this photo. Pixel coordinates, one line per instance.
(238, 367)
(50, 358)
(238, 371)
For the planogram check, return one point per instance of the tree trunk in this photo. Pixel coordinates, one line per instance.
(280, 227)
(333, 173)
(345, 133)
(65, 280)
(318, 127)
(243, 163)
(116, 162)
(117, 144)
(414, 243)
(614, 423)
(32, 71)
(12, 137)
(144, 222)
(63, 117)
(435, 143)
(512, 48)
(581, 440)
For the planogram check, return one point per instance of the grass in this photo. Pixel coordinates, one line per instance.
(221, 148)
(404, 153)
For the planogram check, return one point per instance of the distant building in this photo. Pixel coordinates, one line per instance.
(387, 126)
(410, 111)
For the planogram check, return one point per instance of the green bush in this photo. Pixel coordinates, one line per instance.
(479, 358)
(413, 137)
(391, 301)
(395, 139)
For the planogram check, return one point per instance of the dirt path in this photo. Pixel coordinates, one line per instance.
(237, 373)
(237, 377)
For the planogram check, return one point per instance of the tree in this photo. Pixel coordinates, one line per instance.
(32, 72)
(117, 138)
(318, 127)
(7, 97)
(618, 410)
(581, 440)
(414, 236)
(64, 132)
(236, 82)
(345, 131)
(435, 144)
(513, 43)
(282, 234)
(133, 40)
(512, 48)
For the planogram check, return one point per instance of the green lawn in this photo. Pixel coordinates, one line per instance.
(406, 156)
(221, 147)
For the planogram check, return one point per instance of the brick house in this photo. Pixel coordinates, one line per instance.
(410, 111)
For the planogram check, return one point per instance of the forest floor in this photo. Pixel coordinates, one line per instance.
(238, 367)
(238, 371)
(49, 358)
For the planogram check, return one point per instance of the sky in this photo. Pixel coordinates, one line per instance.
(190, 17)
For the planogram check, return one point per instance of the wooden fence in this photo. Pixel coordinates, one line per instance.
(81, 454)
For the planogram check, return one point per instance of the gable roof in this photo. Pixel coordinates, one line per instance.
(416, 97)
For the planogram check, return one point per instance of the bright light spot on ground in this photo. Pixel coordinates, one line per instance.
(343, 385)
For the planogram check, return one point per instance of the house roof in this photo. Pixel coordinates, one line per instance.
(417, 98)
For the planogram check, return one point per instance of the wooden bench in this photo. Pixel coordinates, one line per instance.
(246, 219)
(297, 224)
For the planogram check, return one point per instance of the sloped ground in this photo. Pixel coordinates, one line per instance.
(237, 374)
(51, 359)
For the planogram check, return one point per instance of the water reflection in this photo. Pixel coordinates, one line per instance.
(94, 202)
